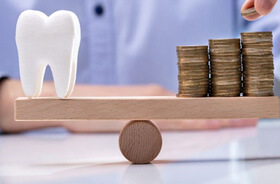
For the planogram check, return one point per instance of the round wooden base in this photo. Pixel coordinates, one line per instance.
(140, 141)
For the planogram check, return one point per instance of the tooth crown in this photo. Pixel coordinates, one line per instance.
(43, 41)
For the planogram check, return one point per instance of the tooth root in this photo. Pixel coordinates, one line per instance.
(32, 79)
(62, 75)
(73, 79)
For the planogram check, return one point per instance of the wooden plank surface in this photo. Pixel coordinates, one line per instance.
(130, 108)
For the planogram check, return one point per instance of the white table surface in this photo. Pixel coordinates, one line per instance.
(248, 155)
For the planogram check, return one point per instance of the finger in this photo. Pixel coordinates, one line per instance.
(227, 123)
(249, 4)
(188, 124)
(244, 122)
(237, 123)
(264, 7)
(204, 124)
(185, 125)
(94, 126)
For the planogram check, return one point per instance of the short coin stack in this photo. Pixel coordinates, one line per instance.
(225, 63)
(257, 63)
(193, 72)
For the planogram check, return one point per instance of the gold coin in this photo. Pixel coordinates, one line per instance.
(259, 83)
(183, 75)
(226, 93)
(258, 75)
(226, 65)
(191, 95)
(226, 78)
(194, 92)
(234, 41)
(192, 56)
(203, 66)
(192, 47)
(229, 85)
(258, 65)
(191, 62)
(234, 94)
(219, 66)
(227, 68)
(256, 34)
(197, 84)
(197, 51)
(264, 70)
(225, 82)
(193, 79)
(224, 49)
(261, 57)
(219, 50)
(198, 80)
(257, 43)
(257, 90)
(257, 62)
(191, 90)
(223, 54)
(259, 94)
(257, 51)
(226, 61)
(194, 75)
(225, 57)
(249, 12)
(226, 88)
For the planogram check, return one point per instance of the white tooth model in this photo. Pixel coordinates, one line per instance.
(43, 41)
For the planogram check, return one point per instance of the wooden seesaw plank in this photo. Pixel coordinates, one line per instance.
(129, 108)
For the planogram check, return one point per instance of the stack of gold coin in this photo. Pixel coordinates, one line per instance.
(257, 63)
(225, 62)
(193, 72)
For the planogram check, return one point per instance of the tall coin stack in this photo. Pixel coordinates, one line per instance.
(193, 74)
(225, 64)
(257, 63)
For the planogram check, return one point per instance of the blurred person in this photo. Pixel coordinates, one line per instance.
(128, 49)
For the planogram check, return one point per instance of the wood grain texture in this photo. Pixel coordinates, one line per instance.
(140, 141)
(129, 108)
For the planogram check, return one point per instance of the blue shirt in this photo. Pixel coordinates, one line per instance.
(134, 42)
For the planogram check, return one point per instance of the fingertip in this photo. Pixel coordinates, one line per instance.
(252, 17)
(264, 7)
(247, 4)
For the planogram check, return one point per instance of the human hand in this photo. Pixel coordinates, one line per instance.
(205, 124)
(263, 7)
(11, 89)
(164, 125)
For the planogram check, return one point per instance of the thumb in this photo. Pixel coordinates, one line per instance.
(247, 5)
(264, 7)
